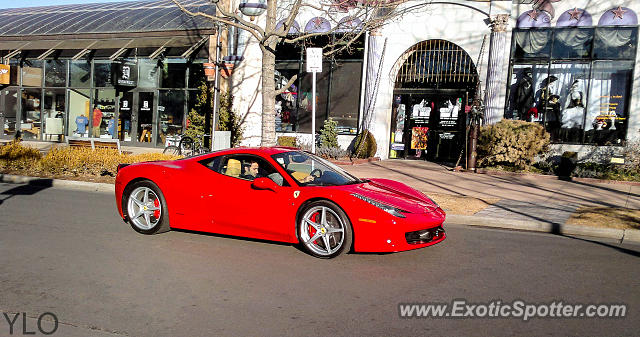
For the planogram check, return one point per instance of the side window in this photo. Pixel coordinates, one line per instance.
(212, 163)
(249, 168)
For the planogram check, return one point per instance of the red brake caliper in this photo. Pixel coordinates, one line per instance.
(156, 213)
(312, 231)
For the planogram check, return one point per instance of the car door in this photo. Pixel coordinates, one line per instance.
(244, 210)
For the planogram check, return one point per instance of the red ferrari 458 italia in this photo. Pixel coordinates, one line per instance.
(278, 194)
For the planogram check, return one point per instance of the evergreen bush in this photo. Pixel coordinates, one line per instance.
(365, 146)
(329, 134)
(511, 143)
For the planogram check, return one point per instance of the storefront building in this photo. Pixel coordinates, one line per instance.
(127, 71)
(412, 81)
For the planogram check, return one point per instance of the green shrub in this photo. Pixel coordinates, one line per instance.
(329, 134)
(511, 143)
(229, 120)
(287, 141)
(365, 146)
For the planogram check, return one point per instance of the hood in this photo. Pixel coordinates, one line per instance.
(395, 194)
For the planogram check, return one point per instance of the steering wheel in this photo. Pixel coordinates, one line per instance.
(316, 171)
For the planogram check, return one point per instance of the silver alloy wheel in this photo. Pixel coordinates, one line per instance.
(322, 230)
(144, 208)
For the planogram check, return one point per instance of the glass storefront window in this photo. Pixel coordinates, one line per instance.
(80, 74)
(125, 113)
(607, 108)
(196, 75)
(173, 74)
(615, 43)
(148, 72)
(563, 99)
(32, 73)
(572, 42)
(576, 95)
(306, 100)
(31, 122)
(170, 116)
(102, 74)
(287, 102)
(531, 43)
(8, 110)
(78, 118)
(55, 73)
(103, 113)
(145, 117)
(526, 81)
(53, 114)
(345, 97)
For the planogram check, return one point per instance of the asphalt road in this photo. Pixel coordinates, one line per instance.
(67, 252)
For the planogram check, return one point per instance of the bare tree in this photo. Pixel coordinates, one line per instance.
(365, 15)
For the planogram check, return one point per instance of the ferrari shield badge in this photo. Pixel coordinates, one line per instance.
(296, 194)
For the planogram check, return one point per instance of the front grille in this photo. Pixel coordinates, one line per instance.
(424, 235)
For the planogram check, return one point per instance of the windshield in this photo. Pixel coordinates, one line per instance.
(310, 170)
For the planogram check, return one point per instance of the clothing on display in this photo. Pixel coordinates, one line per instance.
(524, 94)
(573, 114)
(81, 124)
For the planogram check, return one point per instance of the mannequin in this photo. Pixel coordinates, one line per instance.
(550, 103)
(574, 112)
(524, 94)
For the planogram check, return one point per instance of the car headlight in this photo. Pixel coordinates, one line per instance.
(387, 208)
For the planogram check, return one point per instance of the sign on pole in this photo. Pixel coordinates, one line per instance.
(314, 65)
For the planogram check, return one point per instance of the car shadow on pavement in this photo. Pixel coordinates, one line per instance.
(31, 188)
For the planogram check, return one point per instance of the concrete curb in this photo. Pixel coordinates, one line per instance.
(622, 235)
(59, 183)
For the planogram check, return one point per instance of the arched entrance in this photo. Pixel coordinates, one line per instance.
(435, 83)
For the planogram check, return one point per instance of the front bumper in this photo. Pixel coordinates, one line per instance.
(392, 234)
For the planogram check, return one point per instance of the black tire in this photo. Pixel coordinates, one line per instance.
(156, 222)
(172, 150)
(336, 230)
(186, 146)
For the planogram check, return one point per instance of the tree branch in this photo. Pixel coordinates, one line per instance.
(231, 19)
(286, 86)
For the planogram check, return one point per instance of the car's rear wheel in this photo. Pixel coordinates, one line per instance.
(324, 229)
(145, 208)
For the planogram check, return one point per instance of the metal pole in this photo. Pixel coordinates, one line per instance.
(216, 88)
(313, 114)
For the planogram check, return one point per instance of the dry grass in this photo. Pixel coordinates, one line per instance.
(461, 205)
(64, 162)
(609, 217)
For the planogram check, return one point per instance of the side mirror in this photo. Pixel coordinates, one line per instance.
(264, 184)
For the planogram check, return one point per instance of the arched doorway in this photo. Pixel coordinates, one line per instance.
(435, 83)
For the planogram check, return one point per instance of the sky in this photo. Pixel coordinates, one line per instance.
(35, 3)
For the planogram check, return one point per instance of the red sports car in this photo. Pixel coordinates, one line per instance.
(278, 194)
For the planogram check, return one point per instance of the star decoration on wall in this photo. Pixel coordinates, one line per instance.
(618, 13)
(317, 23)
(534, 15)
(575, 14)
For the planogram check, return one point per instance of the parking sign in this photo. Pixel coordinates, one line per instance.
(314, 60)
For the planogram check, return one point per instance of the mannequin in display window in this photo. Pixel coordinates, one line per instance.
(549, 104)
(524, 94)
(574, 113)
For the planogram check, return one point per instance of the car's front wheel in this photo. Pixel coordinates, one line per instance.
(145, 208)
(324, 229)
